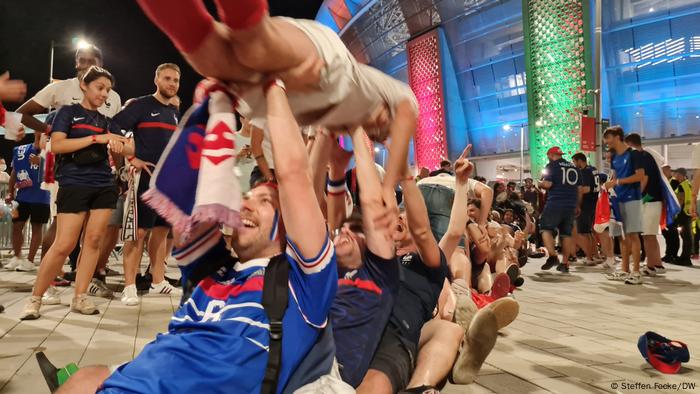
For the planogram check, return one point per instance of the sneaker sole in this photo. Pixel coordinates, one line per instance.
(130, 303)
(501, 286)
(506, 310)
(479, 340)
(50, 302)
(30, 317)
(95, 312)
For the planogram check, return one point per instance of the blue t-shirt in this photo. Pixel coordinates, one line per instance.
(589, 178)
(653, 173)
(625, 165)
(566, 179)
(217, 341)
(29, 176)
(76, 122)
(152, 123)
(360, 311)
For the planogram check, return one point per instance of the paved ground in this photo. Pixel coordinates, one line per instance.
(575, 334)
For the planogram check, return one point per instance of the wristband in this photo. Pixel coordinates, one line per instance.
(407, 179)
(94, 138)
(273, 82)
(336, 188)
(130, 159)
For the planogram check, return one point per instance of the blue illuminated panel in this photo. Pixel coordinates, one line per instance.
(652, 62)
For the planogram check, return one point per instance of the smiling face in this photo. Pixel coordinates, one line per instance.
(261, 231)
(349, 243)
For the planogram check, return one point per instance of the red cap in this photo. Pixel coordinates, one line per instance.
(555, 150)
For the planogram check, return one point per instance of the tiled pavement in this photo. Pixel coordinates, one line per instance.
(576, 333)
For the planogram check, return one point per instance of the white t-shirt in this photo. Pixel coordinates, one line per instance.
(349, 92)
(67, 92)
(448, 180)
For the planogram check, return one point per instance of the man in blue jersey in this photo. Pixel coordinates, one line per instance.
(25, 188)
(153, 120)
(652, 204)
(628, 173)
(217, 341)
(368, 271)
(561, 179)
(584, 221)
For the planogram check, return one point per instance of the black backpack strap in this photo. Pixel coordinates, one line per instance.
(275, 300)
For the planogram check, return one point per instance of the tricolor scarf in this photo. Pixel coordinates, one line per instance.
(671, 207)
(194, 180)
(131, 212)
(607, 210)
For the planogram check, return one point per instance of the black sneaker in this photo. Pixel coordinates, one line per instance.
(550, 263)
(69, 276)
(681, 261)
(173, 282)
(667, 259)
(519, 282)
(143, 282)
(563, 268)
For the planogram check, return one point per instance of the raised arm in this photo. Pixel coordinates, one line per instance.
(401, 131)
(485, 194)
(418, 222)
(379, 241)
(336, 185)
(256, 140)
(460, 213)
(318, 158)
(303, 220)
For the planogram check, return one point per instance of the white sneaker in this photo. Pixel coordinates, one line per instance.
(24, 265)
(619, 276)
(31, 310)
(164, 288)
(130, 296)
(648, 271)
(51, 296)
(609, 265)
(98, 288)
(660, 270)
(82, 304)
(634, 279)
(12, 264)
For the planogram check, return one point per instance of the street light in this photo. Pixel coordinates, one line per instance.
(76, 42)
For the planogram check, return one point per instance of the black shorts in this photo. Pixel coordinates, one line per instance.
(39, 213)
(584, 221)
(76, 199)
(146, 217)
(395, 357)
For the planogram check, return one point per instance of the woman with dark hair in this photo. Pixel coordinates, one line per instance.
(82, 139)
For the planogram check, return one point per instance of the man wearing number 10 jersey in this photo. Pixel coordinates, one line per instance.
(561, 179)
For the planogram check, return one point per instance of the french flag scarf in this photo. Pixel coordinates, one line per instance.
(671, 207)
(194, 180)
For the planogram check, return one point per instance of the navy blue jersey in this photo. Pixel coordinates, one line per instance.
(152, 123)
(29, 176)
(589, 178)
(625, 165)
(653, 174)
(360, 311)
(77, 122)
(566, 179)
(218, 340)
(419, 289)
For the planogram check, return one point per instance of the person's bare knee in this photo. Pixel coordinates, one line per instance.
(375, 382)
(86, 380)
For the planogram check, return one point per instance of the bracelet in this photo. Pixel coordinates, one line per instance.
(408, 179)
(336, 188)
(130, 159)
(94, 138)
(336, 183)
(273, 82)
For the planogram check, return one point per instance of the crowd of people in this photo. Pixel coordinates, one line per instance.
(332, 274)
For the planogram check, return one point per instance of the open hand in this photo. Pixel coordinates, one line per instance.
(141, 165)
(12, 89)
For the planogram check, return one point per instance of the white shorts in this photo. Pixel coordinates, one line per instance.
(651, 217)
(334, 87)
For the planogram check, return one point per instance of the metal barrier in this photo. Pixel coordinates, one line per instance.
(6, 228)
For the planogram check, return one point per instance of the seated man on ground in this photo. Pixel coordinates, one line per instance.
(218, 339)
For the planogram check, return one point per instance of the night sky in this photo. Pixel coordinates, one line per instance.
(131, 45)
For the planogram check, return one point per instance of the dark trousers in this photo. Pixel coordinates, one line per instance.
(672, 240)
(683, 222)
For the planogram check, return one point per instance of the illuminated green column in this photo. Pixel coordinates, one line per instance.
(558, 66)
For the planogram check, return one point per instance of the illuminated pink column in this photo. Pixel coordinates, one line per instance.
(425, 78)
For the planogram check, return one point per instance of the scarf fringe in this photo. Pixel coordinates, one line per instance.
(217, 213)
(180, 221)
